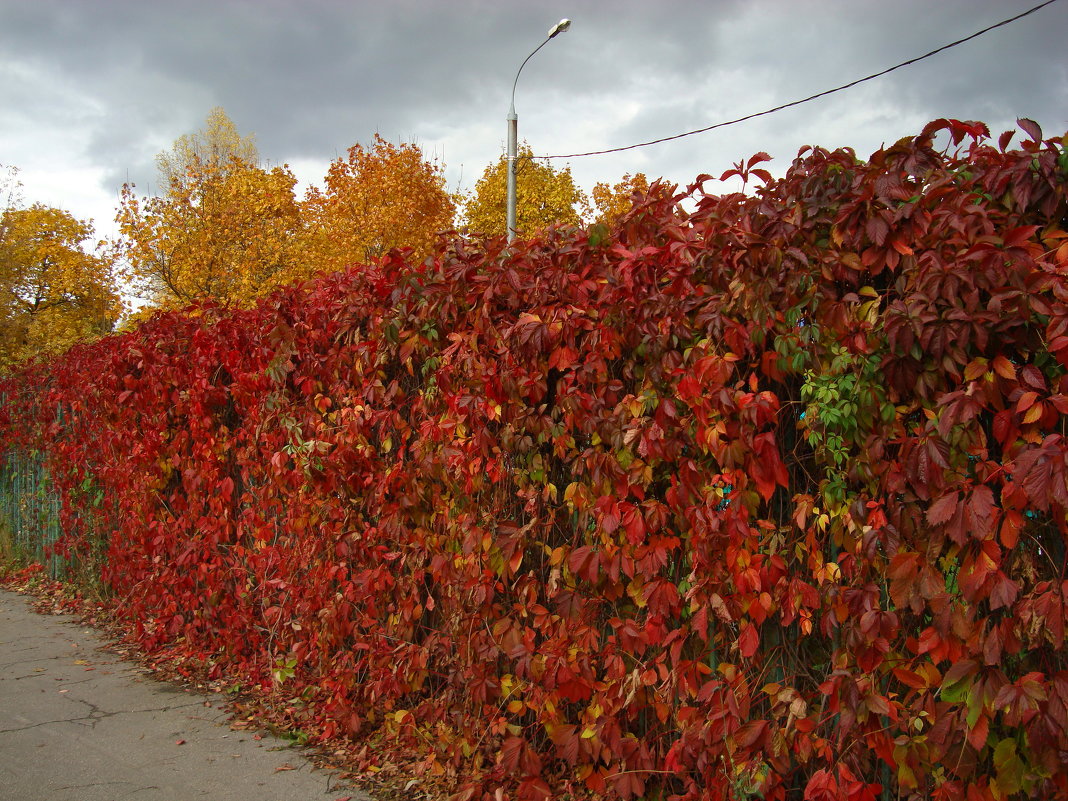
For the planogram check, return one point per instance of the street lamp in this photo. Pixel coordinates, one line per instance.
(513, 126)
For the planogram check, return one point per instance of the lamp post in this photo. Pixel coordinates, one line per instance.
(513, 126)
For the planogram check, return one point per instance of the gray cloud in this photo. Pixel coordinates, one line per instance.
(101, 87)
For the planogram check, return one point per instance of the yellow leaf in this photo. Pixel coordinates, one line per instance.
(1034, 413)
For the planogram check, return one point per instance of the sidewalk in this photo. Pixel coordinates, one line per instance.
(76, 723)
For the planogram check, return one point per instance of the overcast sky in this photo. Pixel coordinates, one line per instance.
(92, 90)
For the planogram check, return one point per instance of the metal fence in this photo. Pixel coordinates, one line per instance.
(29, 512)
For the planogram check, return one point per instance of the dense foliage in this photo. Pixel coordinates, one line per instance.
(226, 231)
(55, 289)
(373, 200)
(766, 498)
(224, 228)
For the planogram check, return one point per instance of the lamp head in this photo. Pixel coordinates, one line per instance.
(559, 27)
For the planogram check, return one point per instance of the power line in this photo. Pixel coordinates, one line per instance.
(841, 88)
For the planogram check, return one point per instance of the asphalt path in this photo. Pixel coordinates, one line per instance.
(79, 724)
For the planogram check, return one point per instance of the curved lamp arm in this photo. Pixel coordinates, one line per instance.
(557, 29)
(513, 126)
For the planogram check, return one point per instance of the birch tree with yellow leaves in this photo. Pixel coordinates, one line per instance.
(224, 228)
(218, 142)
(227, 232)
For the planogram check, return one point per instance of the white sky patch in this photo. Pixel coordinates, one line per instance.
(309, 173)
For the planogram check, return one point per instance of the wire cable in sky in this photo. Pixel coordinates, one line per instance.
(841, 88)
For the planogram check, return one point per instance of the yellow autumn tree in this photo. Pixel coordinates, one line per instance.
(611, 202)
(54, 290)
(375, 199)
(223, 228)
(218, 143)
(544, 196)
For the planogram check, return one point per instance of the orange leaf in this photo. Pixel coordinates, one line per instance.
(976, 367)
(1004, 368)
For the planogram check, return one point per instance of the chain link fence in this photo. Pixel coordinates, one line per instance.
(29, 512)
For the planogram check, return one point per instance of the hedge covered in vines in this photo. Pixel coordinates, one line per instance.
(761, 494)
